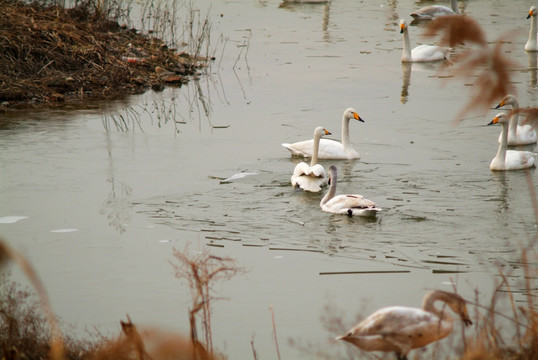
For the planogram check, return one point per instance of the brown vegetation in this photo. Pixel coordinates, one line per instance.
(200, 271)
(489, 65)
(51, 54)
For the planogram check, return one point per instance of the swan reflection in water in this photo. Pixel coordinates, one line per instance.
(408, 67)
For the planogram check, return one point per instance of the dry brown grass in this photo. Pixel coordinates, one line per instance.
(200, 271)
(489, 65)
(51, 54)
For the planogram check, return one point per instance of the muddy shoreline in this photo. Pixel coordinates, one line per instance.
(52, 56)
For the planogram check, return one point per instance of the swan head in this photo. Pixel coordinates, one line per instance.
(350, 113)
(532, 12)
(500, 118)
(403, 26)
(332, 174)
(507, 100)
(321, 131)
(457, 304)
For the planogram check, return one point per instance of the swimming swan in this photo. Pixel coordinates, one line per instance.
(329, 149)
(517, 134)
(353, 204)
(422, 52)
(432, 11)
(401, 329)
(509, 159)
(311, 177)
(531, 44)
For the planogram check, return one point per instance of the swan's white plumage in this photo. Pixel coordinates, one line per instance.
(348, 204)
(329, 149)
(311, 177)
(532, 42)
(517, 134)
(509, 159)
(422, 52)
(400, 329)
(433, 11)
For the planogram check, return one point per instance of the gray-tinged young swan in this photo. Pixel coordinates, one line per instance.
(329, 149)
(400, 329)
(509, 159)
(348, 204)
(311, 177)
(433, 11)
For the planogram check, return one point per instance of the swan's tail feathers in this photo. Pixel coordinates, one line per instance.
(293, 151)
(306, 183)
(366, 212)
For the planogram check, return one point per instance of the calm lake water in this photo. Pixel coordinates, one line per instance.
(104, 206)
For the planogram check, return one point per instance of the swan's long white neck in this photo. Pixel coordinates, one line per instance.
(345, 132)
(315, 149)
(428, 305)
(332, 189)
(501, 152)
(531, 43)
(406, 52)
(514, 120)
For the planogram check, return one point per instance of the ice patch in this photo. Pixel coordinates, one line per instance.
(11, 219)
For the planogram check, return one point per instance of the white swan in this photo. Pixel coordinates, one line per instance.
(311, 177)
(329, 149)
(517, 134)
(401, 329)
(531, 44)
(432, 11)
(509, 159)
(422, 52)
(352, 204)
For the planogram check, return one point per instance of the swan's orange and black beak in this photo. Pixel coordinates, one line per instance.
(494, 121)
(357, 117)
(402, 28)
(501, 104)
(531, 13)
(327, 132)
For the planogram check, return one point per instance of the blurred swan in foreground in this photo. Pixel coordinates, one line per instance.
(517, 134)
(329, 149)
(311, 177)
(432, 11)
(531, 44)
(400, 329)
(509, 159)
(422, 52)
(353, 204)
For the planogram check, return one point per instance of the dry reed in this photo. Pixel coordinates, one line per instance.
(490, 65)
(201, 270)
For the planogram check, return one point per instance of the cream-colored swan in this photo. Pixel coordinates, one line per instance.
(432, 11)
(531, 44)
(517, 134)
(509, 159)
(349, 204)
(311, 177)
(400, 329)
(329, 149)
(422, 52)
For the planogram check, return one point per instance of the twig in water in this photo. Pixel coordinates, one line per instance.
(274, 331)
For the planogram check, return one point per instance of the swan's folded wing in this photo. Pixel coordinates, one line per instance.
(519, 159)
(349, 201)
(429, 53)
